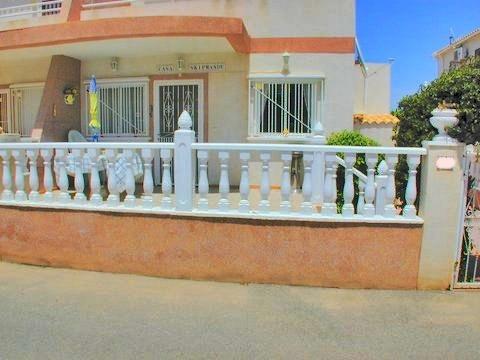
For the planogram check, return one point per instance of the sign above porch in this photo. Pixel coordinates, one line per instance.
(192, 68)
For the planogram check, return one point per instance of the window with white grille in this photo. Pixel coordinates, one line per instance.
(289, 106)
(122, 107)
(5, 110)
(25, 103)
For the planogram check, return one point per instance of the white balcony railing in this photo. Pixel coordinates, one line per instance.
(113, 170)
(31, 10)
(93, 4)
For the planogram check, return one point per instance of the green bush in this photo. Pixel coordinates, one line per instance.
(350, 138)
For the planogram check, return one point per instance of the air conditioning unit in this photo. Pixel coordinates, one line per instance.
(458, 55)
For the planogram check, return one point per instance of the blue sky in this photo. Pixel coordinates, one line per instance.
(410, 31)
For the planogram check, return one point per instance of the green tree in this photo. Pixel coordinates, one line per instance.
(460, 86)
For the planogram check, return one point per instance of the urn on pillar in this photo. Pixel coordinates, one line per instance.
(442, 119)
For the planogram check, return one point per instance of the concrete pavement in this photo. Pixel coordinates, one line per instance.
(63, 314)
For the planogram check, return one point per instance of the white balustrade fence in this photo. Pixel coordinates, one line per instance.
(119, 177)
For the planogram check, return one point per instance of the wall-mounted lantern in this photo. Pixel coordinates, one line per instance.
(114, 64)
(180, 66)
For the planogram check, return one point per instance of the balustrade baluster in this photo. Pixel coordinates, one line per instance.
(147, 197)
(410, 211)
(113, 196)
(381, 180)
(348, 188)
(244, 205)
(7, 193)
(224, 183)
(19, 156)
(129, 179)
(62, 177)
(264, 205)
(361, 197)
(369, 209)
(286, 187)
(390, 193)
(79, 197)
(47, 174)
(95, 197)
(33, 178)
(307, 184)
(166, 155)
(329, 206)
(203, 186)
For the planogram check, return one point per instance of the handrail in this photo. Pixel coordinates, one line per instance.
(106, 3)
(361, 176)
(39, 3)
(311, 148)
(85, 145)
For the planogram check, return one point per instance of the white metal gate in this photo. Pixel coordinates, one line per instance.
(171, 98)
(467, 274)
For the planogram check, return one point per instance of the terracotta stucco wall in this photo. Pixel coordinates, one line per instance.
(300, 253)
(55, 118)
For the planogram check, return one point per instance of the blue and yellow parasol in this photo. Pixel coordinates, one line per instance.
(94, 123)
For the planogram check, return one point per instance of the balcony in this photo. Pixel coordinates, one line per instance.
(23, 13)
(31, 10)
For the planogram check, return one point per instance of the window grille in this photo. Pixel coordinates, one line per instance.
(26, 101)
(4, 110)
(122, 108)
(285, 107)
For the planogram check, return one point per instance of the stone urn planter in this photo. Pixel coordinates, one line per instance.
(441, 120)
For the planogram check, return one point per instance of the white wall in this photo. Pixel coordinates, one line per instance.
(24, 71)
(263, 18)
(373, 91)
(380, 132)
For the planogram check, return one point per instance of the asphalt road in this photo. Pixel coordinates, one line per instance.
(63, 314)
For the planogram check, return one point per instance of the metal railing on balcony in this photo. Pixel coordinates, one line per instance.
(31, 10)
(93, 4)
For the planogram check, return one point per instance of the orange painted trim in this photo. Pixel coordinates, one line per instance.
(198, 76)
(138, 27)
(75, 10)
(332, 45)
(232, 29)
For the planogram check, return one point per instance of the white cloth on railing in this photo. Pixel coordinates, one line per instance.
(84, 164)
(102, 165)
(121, 170)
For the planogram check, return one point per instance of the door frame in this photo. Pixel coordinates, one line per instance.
(202, 103)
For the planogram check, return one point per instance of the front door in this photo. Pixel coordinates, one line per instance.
(171, 98)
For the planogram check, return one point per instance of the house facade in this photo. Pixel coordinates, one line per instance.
(455, 53)
(211, 163)
(245, 71)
